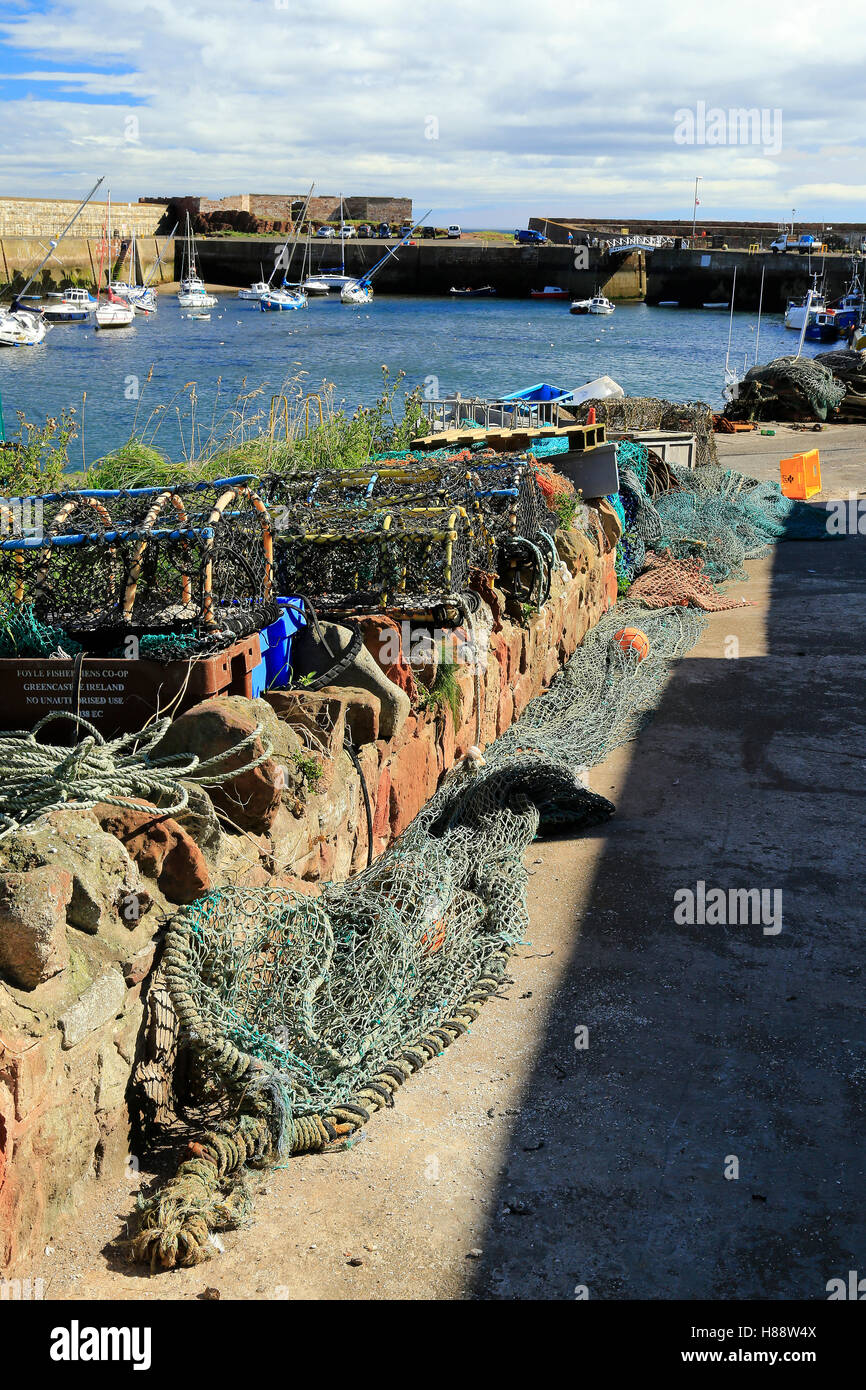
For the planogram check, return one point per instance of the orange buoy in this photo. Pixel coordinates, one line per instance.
(631, 639)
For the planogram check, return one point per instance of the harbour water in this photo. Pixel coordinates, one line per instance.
(481, 347)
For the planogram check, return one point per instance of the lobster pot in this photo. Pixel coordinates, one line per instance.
(173, 560)
(511, 500)
(380, 558)
(376, 487)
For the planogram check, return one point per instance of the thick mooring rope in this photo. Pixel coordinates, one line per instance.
(42, 777)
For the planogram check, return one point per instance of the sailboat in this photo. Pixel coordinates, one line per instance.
(326, 280)
(288, 295)
(115, 313)
(359, 292)
(192, 293)
(21, 326)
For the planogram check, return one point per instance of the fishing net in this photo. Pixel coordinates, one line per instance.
(626, 414)
(788, 388)
(305, 1015)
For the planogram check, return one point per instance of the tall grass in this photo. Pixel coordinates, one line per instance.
(293, 431)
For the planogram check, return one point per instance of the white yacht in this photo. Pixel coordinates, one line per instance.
(21, 327)
(114, 313)
(356, 292)
(192, 293)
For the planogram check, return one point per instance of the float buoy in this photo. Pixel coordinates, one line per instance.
(631, 639)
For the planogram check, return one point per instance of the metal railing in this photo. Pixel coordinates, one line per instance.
(454, 412)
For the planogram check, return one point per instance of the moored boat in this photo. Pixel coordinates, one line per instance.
(482, 292)
(72, 306)
(21, 327)
(549, 292)
(278, 299)
(600, 305)
(192, 293)
(356, 292)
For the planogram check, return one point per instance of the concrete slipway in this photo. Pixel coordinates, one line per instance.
(517, 1166)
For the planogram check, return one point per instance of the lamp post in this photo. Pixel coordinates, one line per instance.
(695, 209)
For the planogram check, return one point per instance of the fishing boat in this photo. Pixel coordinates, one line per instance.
(599, 305)
(483, 292)
(796, 316)
(823, 327)
(72, 306)
(549, 292)
(849, 309)
(192, 293)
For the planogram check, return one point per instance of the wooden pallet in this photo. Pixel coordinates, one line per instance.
(516, 441)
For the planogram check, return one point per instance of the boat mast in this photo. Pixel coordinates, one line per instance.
(54, 244)
(365, 279)
(760, 304)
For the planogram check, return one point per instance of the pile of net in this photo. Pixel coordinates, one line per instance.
(626, 414)
(849, 370)
(788, 388)
(715, 516)
(307, 1014)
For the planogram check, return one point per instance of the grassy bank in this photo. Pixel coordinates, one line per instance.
(296, 430)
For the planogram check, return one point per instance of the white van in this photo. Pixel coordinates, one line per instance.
(347, 230)
(454, 231)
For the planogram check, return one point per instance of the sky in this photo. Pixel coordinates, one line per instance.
(485, 113)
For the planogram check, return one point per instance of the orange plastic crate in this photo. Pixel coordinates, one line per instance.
(801, 475)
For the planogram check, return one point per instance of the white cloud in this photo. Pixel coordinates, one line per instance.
(549, 107)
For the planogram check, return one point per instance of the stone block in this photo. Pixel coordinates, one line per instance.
(33, 940)
(101, 1001)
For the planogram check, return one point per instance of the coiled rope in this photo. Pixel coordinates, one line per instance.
(42, 777)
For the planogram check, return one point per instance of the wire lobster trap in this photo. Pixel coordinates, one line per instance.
(345, 557)
(187, 559)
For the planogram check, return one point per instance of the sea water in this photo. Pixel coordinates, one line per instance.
(484, 347)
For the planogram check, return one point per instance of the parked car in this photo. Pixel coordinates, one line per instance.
(365, 230)
(384, 230)
(530, 237)
(454, 231)
(347, 229)
(406, 228)
(326, 232)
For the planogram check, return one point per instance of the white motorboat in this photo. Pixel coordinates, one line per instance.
(21, 327)
(599, 305)
(73, 306)
(356, 292)
(579, 306)
(255, 292)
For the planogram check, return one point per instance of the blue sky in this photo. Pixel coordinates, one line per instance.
(489, 113)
